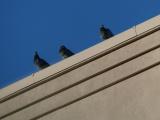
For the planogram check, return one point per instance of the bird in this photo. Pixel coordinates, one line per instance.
(105, 33)
(39, 62)
(65, 52)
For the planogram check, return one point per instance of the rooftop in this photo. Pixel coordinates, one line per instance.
(80, 59)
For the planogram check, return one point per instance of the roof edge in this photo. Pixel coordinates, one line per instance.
(81, 58)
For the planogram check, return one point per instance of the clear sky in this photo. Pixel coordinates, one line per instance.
(44, 25)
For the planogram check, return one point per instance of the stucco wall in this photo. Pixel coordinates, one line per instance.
(115, 79)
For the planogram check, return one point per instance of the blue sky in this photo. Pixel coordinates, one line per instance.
(44, 25)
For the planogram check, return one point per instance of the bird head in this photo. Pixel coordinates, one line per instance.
(62, 48)
(36, 56)
(102, 25)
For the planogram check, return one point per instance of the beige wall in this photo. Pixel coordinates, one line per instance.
(115, 79)
(136, 98)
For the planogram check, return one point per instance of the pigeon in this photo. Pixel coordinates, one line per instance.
(105, 32)
(65, 52)
(39, 62)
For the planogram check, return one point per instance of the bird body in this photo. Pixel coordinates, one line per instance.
(39, 62)
(65, 52)
(105, 32)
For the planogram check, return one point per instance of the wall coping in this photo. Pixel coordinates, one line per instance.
(81, 58)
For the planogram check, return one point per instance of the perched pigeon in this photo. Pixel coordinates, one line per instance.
(105, 33)
(65, 52)
(39, 62)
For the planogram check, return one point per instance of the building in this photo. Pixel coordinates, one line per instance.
(117, 79)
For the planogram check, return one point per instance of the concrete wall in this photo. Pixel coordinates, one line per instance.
(116, 79)
(137, 98)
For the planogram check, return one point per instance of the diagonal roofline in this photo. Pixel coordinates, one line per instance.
(81, 58)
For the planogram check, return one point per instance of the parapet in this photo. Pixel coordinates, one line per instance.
(90, 78)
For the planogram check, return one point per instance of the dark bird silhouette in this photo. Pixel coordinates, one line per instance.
(105, 32)
(65, 52)
(39, 62)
